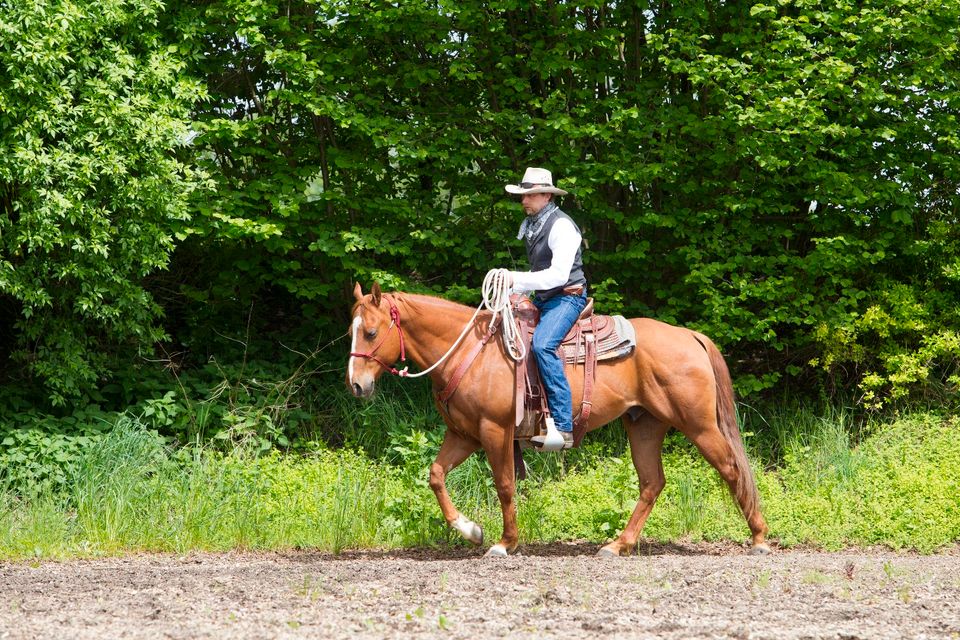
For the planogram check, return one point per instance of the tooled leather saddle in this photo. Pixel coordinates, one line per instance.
(592, 338)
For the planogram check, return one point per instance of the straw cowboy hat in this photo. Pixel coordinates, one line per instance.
(534, 181)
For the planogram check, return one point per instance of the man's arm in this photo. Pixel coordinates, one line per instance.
(564, 241)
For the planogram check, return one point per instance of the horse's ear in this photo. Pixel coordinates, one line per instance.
(375, 292)
(358, 292)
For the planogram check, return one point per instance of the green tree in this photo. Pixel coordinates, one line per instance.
(822, 224)
(783, 176)
(93, 107)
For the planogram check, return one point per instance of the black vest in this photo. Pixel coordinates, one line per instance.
(540, 256)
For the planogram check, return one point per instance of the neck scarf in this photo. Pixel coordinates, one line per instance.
(532, 225)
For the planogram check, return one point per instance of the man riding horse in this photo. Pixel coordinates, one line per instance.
(556, 277)
(673, 378)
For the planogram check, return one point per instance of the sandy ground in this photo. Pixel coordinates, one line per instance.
(555, 591)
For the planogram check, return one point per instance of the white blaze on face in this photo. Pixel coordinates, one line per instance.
(353, 347)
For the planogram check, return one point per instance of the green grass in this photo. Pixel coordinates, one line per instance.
(823, 481)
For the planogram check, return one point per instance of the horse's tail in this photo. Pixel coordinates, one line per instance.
(746, 492)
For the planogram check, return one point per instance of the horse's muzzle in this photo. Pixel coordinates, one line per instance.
(362, 391)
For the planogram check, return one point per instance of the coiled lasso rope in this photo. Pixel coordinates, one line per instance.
(496, 298)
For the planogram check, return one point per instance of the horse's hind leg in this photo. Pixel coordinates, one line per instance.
(454, 450)
(717, 451)
(646, 442)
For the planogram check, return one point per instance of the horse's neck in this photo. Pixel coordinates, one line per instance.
(432, 326)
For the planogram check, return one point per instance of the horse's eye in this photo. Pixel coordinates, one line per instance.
(372, 334)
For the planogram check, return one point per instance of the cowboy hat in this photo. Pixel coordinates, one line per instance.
(534, 181)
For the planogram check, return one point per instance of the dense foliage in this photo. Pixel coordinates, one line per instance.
(93, 103)
(782, 175)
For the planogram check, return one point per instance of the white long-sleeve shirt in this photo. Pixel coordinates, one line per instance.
(564, 240)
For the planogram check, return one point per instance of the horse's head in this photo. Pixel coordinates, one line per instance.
(377, 340)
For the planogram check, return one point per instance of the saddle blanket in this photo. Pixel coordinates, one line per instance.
(611, 344)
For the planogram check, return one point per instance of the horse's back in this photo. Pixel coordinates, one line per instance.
(670, 349)
(656, 334)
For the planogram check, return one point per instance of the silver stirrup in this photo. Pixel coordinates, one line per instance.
(553, 441)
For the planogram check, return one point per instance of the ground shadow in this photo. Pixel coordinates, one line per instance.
(541, 550)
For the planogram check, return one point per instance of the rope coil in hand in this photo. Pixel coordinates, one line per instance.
(496, 297)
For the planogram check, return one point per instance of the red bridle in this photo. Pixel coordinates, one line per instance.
(371, 355)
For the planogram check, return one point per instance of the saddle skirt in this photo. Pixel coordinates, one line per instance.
(592, 338)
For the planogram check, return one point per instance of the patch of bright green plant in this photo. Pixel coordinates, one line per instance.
(125, 487)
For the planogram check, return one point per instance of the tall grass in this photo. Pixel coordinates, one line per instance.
(826, 436)
(823, 481)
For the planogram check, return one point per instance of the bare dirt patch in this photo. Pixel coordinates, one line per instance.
(555, 591)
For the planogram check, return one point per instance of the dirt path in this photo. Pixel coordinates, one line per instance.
(557, 591)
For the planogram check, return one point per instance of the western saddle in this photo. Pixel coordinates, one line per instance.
(590, 335)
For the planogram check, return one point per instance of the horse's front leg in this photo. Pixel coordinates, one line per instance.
(454, 450)
(499, 449)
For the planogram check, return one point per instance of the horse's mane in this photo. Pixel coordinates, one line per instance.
(424, 304)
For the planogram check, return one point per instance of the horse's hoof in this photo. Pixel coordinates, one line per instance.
(760, 549)
(469, 529)
(496, 551)
(607, 553)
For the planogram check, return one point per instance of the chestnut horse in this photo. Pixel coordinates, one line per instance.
(674, 378)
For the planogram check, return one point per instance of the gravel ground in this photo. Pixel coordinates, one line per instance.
(554, 591)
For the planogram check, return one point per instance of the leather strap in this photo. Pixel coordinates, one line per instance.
(519, 467)
(526, 372)
(448, 391)
(589, 374)
(520, 377)
(536, 394)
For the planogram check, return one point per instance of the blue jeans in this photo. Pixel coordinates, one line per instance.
(557, 316)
